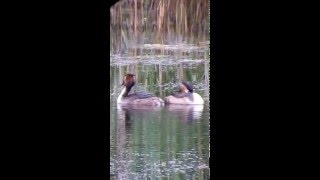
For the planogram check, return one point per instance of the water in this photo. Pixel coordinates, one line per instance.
(170, 142)
(156, 143)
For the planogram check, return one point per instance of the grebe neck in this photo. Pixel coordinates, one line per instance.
(125, 91)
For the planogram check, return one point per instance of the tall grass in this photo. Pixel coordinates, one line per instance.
(158, 22)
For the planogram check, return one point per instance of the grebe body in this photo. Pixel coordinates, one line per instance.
(142, 98)
(186, 95)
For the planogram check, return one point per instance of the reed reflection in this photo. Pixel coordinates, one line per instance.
(152, 142)
(128, 117)
(121, 166)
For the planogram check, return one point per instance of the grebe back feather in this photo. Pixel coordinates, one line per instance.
(140, 98)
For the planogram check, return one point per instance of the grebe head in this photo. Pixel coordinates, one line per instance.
(128, 80)
(188, 86)
(183, 88)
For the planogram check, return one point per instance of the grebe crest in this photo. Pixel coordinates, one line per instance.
(141, 98)
(185, 95)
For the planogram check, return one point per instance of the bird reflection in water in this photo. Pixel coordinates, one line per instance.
(186, 113)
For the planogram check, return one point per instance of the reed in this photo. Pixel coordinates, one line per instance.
(157, 21)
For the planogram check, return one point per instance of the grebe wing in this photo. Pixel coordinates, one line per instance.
(141, 95)
(180, 95)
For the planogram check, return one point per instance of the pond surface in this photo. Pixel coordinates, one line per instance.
(170, 142)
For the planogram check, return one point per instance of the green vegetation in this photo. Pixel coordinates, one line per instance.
(160, 22)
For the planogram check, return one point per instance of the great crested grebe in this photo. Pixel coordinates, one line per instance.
(141, 98)
(186, 95)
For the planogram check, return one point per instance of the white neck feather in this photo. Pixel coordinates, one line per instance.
(123, 91)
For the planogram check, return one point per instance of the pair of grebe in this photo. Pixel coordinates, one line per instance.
(184, 96)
